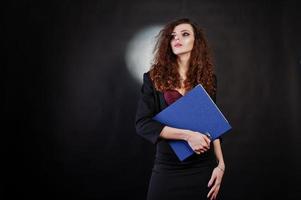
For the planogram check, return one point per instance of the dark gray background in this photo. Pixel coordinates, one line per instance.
(69, 101)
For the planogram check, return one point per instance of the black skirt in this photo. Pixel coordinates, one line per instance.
(176, 180)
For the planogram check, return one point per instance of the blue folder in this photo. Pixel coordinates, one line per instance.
(195, 111)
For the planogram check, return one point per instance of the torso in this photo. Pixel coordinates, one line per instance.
(175, 179)
(165, 155)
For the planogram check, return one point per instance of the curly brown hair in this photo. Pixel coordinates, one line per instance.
(164, 70)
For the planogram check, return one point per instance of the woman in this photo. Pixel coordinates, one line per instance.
(182, 61)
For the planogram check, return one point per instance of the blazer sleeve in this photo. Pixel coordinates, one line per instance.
(214, 99)
(145, 125)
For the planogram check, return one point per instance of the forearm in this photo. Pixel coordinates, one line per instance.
(174, 133)
(219, 154)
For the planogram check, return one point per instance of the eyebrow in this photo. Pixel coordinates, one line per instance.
(181, 31)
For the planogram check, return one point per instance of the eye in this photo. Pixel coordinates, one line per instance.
(185, 34)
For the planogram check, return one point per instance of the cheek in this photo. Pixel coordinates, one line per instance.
(189, 42)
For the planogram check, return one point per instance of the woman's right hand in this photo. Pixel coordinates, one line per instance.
(199, 142)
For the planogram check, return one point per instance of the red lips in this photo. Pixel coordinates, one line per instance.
(178, 45)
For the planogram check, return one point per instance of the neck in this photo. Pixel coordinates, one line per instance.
(183, 63)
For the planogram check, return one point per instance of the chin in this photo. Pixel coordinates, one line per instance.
(177, 53)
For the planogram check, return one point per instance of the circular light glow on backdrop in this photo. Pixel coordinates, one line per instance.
(139, 52)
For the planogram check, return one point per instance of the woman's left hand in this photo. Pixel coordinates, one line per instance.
(216, 179)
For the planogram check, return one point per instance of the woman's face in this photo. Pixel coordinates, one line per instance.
(182, 39)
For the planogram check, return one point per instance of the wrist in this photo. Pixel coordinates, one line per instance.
(187, 135)
(221, 166)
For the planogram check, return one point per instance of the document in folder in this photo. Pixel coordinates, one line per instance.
(194, 111)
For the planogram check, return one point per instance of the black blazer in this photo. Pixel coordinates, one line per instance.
(150, 103)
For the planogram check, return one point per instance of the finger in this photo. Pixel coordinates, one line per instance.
(207, 140)
(206, 147)
(211, 180)
(206, 144)
(201, 150)
(203, 146)
(216, 190)
(196, 150)
(210, 192)
(215, 193)
(213, 196)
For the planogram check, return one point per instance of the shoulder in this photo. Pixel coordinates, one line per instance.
(146, 74)
(147, 83)
(147, 78)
